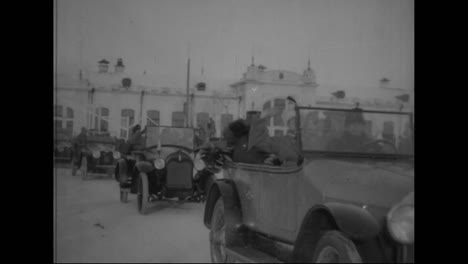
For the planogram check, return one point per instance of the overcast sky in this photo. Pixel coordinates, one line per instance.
(350, 42)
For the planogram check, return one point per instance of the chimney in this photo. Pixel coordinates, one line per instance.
(119, 67)
(103, 66)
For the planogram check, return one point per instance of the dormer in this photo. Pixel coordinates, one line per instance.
(119, 67)
(103, 66)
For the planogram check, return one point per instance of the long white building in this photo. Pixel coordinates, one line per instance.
(114, 100)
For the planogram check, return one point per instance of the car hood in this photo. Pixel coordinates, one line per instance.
(376, 185)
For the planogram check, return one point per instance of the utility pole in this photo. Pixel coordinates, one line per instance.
(187, 108)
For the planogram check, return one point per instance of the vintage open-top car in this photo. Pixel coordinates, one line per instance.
(63, 145)
(332, 206)
(98, 157)
(165, 167)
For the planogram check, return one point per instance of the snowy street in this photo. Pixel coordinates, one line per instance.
(94, 226)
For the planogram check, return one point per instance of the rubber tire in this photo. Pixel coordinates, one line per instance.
(336, 241)
(84, 168)
(218, 215)
(142, 195)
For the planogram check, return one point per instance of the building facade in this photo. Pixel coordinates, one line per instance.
(115, 101)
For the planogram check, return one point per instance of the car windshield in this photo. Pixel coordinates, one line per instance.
(356, 131)
(179, 136)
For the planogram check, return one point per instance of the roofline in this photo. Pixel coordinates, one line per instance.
(313, 85)
(147, 92)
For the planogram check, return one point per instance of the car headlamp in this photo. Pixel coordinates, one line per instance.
(96, 154)
(199, 164)
(159, 163)
(400, 222)
(116, 155)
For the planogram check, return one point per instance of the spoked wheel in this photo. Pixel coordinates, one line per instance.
(124, 195)
(218, 234)
(84, 168)
(143, 196)
(334, 247)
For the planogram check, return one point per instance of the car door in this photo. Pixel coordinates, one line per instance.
(277, 204)
(248, 181)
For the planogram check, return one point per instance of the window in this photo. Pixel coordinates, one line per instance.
(58, 124)
(178, 119)
(58, 111)
(126, 122)
(101, 119)
(202, 119)
(152, 118)
(225, 120)
(63, 120)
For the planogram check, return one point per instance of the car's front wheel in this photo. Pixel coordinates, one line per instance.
(218, 238)
(142, 196)
(334, 247)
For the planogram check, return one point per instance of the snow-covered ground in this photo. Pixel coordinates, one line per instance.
(94, 226)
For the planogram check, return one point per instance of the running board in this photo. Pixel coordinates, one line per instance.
(249, 255)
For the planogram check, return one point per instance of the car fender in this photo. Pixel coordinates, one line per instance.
(226, 189)
(354, 221)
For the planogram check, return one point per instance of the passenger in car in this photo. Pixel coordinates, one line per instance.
(282, 147)
(236, 135)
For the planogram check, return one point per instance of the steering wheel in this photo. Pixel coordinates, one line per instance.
(375, 143)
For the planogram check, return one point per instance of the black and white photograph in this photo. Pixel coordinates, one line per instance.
(233, 131)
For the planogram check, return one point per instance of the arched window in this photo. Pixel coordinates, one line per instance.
(127, 121)
(276, 125)
(101, 119)
(63, 117)
(152, 118)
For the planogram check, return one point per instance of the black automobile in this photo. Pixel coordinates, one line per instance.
(63, 146)
(97, 158)
(165, 167)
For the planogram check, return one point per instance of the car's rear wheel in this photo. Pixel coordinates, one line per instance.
(334, 247)
(84, 168)
(218, 238)
(143, 196)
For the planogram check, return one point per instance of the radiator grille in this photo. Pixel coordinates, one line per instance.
(179, 175)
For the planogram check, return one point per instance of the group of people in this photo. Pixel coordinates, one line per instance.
(251, 143)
